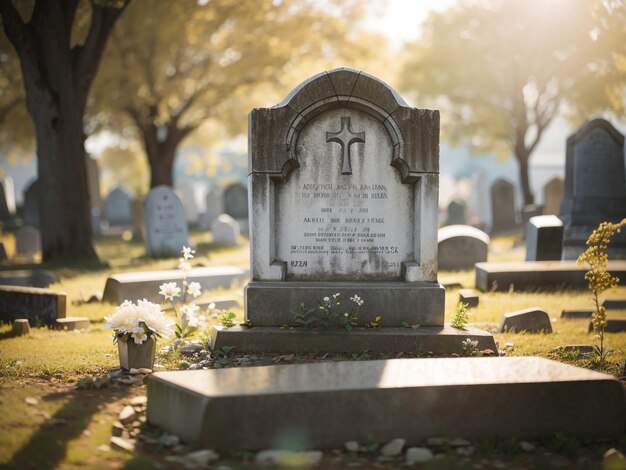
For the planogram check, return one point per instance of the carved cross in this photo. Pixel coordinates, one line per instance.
(345, 137)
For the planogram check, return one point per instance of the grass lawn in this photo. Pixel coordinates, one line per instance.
(69, 427)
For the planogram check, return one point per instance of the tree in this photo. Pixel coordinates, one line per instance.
(502, 70)
(58, 67)
(163, 79)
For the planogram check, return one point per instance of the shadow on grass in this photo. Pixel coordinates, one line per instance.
(48, 446)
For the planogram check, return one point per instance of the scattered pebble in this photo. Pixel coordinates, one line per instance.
(120, 443)
(117, 429)
(393, 448)
(31, 401)
(140, 400)
(418, 455)
(352, 446)
(201, 457)
(289, 459)
(466, 451)
(127, 415)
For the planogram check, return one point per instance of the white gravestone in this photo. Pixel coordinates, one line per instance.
(214, 206)
(344, 186)
(187, 196)
(165, 224)
(225, 230)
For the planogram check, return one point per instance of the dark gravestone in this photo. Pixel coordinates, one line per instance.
(456, 213)
(531, 320)
(553, 196)
(31, 204)
(614, 304)
(461, 246)
(503, 206)
(38, 306)
(544, 237)
(613, 325)
(595, 190)
(576, 314)
(469, 297)
(236, 201)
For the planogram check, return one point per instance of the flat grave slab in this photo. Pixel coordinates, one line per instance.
(145, 285)
(327, 404)
(38, 306)
(614, 304)
(439, 340)
(575, 314)
(27, 278)
(532, 275)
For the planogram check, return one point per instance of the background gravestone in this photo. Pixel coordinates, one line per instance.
(595, 187)
(225, 230)
(27, 240)
(503, 206)
(479, 213)
(31, 204)
(187, 197)
(236, 204)
(461, 246)
(344, 183)
(553, 196)
(119, 210)
(456, 213)
(544, 238)
(7, 199)
(214, 206)
(165, 224)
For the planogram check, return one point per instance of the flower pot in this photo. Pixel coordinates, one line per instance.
(137, 356)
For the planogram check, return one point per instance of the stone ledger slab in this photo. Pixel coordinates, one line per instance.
(145, 285)
(38, 306)
(327, 404)
(533, 275)
(267, 303)
(438, 340)
(27, 278)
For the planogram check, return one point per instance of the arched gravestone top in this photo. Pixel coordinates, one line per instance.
(166, 226)
(118, 206)
(236, 201)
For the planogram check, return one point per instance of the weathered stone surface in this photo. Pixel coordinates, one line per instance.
(595, 188)
(552, 196)
(461, 246)
(140, 285)
(166, 226)
(225, 230)
(613, 325)
(503, 211)
(544, 238)
(334, 402)
(469, 297)
(187, 194)
(21, 327)
(438, 340)
(576, 314)
(27, 278)
(530, 320)
(277, 303)
(119, 443)
(118, 208)
(533, 275)
(72, 323)
(127, 415)
(38, 306)
(27, 240)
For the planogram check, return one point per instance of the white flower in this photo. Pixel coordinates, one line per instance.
(336, 295)
(169, 290)
(194, 289)
(326, 299)
(123, 319)
(189, 310)
(357, 300)
(183, 265)
(188, 252)
(211, 306)
(139, 338)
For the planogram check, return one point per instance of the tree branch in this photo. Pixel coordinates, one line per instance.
(14, 26)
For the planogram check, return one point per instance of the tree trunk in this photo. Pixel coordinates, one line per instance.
(161, 152)
(162, 166)
(524, 180)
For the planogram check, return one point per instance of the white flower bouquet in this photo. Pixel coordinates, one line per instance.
(138, 322)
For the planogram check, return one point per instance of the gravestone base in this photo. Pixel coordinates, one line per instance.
(277, 303)
(265, 339)
(323, 405)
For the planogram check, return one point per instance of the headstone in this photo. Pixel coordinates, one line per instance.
(187, 197)
(572, 314)
(27, 240)
(553, 196)
(544, 238)
(225, 230)
(39, 306)
(139, 285)
(503, 206)
(236, 201)
(456, 213)
(479, 201)
(21, 327)
(119, 209)
(265, 407)
(595, 187)
(533, 275)
(469, 297)
(72, 323)
(7, 198)
(31, 204)
(166, 227)
(343, 178)
(613, 325)
(214, 207)
(531, 320)
(138, 219)
(461, 246)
